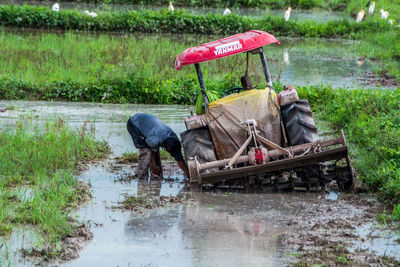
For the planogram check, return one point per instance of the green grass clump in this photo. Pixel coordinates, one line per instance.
(37, 182)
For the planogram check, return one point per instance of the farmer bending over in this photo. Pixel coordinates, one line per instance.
(149, 134)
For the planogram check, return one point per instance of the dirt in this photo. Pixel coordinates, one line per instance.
(83, 193)
(170, 169)
(140, 203)
(335, 254)
(133, 158)
(383, 79)
(71, 247)
(327, 231)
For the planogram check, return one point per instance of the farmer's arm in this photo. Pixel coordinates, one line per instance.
(183, 166)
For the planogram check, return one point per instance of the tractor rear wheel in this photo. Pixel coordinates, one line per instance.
(299, 123)
(197, 143)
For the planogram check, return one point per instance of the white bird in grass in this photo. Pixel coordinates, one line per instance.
(287, 13)
(390, 22)
(171, 7)
(371, 9)
(286, 57)
(91, 14)
(227, 11)
(384, 14)
(55, 7)
(360, 16)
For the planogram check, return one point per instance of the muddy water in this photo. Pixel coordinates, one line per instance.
(318, 15)
(311, 61)
(211, 229)
(109, 120)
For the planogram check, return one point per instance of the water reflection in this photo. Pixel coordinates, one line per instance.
(220, 234)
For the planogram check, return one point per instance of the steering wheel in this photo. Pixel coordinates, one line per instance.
(229, 91)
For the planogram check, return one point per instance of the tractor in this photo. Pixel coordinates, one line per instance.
(254, 138)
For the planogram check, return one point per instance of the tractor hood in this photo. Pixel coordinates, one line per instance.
(224, 47)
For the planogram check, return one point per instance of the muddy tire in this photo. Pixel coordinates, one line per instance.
(197, 143)
(299, 123)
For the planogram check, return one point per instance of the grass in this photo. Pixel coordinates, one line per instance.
(371, 120)
(37, 182)
(45, 57)
(126, 68)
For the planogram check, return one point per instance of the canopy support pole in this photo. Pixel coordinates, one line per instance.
(265, 67)
(202, 86)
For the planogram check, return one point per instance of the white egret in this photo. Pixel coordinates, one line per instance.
(371, 8)
(287, 13)
(87, 12)
(227, 11)
(93, 14)
(286, 57)
(390, 22)
(171, 7)
(360, 16)
(55, 7)
(384, 14)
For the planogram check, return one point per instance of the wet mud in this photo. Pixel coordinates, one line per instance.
(71, 247)
(383, 79)
(329, 233)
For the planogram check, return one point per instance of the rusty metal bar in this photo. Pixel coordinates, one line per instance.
(271, 154)
(273, 145)
(279, 165)
(240, 151)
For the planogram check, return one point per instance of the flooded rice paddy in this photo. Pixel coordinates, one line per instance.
(83, 57)
(209, 229)
(318, 15)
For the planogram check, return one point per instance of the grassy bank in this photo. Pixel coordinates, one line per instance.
(274, 4)
(371, 120)
(181, 22)
(37, 182)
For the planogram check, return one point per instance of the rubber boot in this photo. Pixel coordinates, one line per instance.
(142, 170)
(158, 162)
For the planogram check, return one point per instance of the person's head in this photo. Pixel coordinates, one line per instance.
(173, 147)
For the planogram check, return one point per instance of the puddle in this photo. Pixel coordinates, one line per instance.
(314, 62)
(332, 196)
(10, 254)
(212, 229)
(318, 15)
(380, 241)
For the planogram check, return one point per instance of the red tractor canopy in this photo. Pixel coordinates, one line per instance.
(228, 46)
